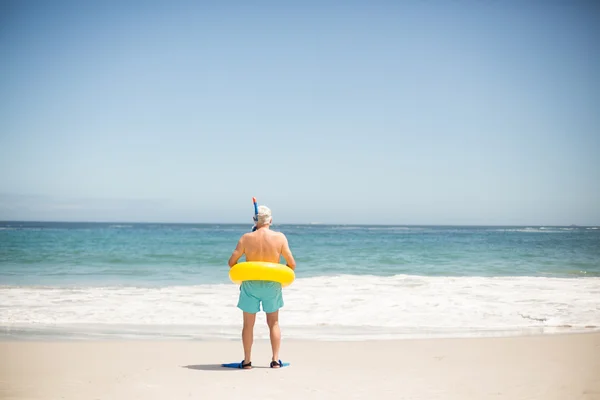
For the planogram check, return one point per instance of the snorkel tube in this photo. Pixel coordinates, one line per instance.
(255, 213)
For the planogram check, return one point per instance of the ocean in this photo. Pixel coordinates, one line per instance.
(82, 281)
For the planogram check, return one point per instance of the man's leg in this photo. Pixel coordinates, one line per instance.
(248, 336)
(275, 333)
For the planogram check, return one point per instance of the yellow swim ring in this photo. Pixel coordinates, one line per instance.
(261, 271)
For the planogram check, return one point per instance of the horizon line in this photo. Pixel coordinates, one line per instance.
(294, 223)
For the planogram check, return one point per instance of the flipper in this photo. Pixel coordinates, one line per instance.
(274, 364)
(239, 365)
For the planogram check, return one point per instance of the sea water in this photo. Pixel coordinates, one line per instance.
(101, 280)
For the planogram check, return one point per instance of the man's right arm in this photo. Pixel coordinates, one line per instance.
(287, 253)
(237, 253)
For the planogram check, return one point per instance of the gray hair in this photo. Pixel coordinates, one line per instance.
(264, 215)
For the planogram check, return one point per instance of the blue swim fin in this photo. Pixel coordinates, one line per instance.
(239, 365)
(281, 364)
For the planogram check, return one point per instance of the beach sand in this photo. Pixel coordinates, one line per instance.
(530, 367)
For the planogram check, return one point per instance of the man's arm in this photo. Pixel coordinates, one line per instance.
(237, 253)
(287, 253)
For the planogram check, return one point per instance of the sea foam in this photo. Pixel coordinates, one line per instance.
(336, 307)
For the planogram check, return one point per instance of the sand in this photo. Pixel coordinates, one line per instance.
(531, 367)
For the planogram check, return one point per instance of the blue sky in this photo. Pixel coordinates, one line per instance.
(422, 112)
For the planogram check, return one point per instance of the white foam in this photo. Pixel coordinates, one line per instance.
(534, 230)
(321, 308)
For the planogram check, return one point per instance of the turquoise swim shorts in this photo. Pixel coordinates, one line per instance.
(252, 293)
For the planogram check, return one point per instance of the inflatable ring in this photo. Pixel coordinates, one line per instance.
(261, 271)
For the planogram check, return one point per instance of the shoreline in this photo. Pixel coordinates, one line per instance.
(116, 333)
(557, 366)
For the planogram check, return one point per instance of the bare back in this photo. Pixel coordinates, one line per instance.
(263, 245)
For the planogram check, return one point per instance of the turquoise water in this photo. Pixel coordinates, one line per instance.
(172, 254)
(352, 281)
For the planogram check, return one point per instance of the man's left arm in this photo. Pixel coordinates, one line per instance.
(237, 253)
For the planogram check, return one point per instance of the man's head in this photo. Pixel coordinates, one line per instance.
(264, 216)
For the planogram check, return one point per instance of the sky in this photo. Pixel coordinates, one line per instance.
(375, 112)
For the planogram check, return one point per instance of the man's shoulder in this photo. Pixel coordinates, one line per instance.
(280, 235)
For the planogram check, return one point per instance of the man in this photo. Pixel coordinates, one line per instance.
(265, 245)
